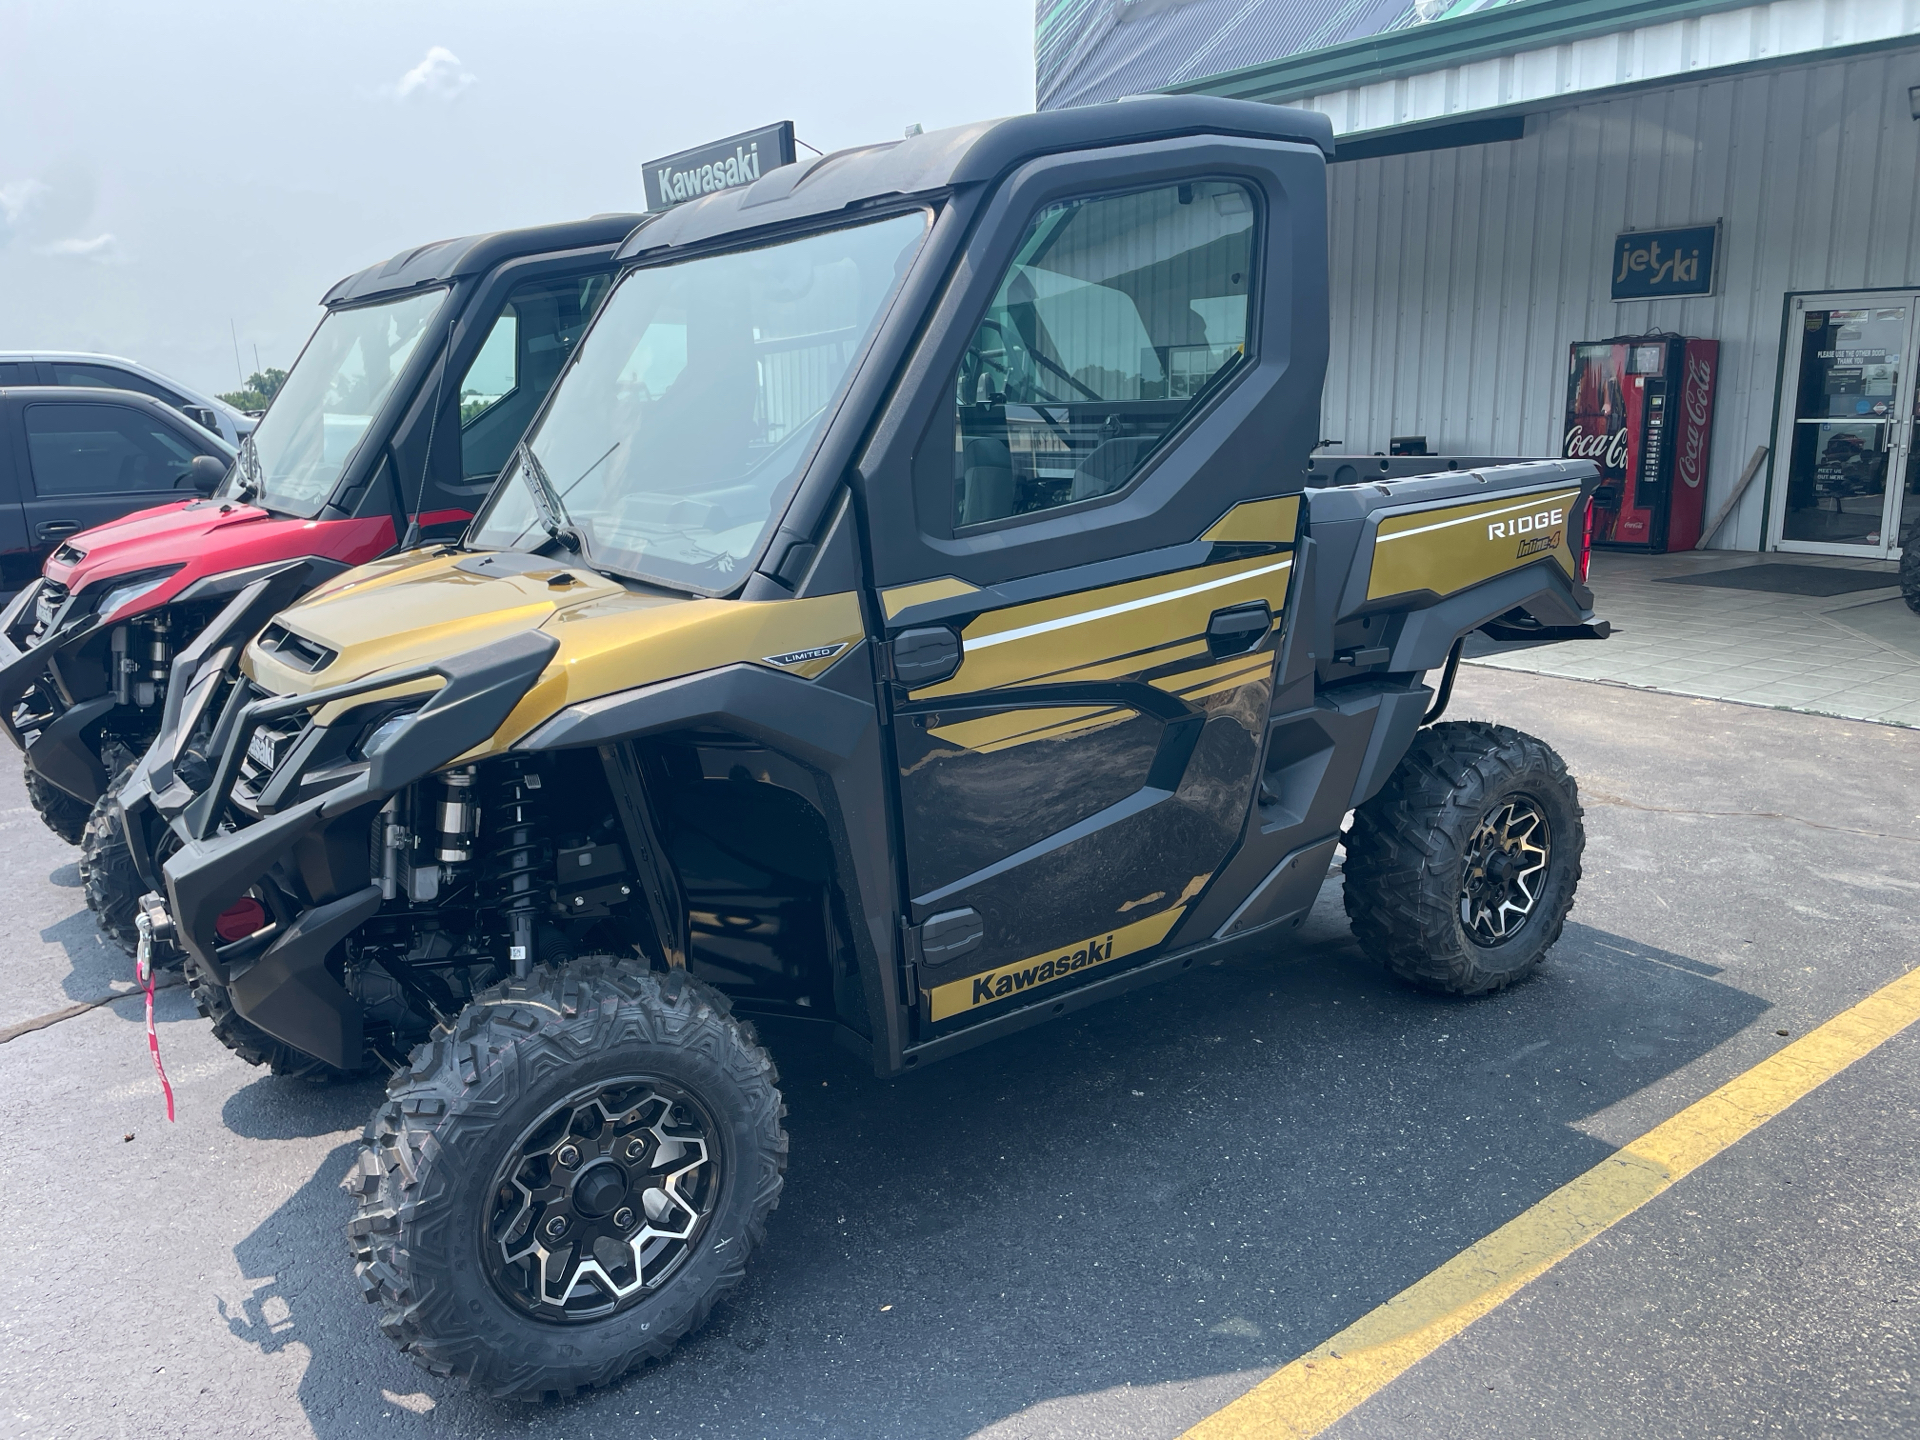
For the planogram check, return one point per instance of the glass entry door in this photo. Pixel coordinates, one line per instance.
(1845, 436)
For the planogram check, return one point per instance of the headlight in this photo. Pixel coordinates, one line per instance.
(384, 733)
(130, 591)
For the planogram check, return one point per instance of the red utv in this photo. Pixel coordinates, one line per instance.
(388, 431)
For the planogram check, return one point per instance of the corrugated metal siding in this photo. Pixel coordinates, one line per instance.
(1087, 51)
(1459, 277)
(1760, 34)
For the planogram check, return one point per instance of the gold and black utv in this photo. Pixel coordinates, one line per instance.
(906, 614)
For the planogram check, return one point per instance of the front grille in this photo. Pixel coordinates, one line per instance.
(46, 605)
(294, 649)
(270, 744)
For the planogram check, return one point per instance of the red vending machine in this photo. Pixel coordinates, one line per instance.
(1641, 407)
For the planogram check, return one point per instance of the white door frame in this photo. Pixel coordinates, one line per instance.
(1901, 419)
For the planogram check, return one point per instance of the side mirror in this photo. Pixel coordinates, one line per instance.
(205, 474)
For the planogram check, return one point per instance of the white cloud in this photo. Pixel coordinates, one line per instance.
(17, 199)
(439, 76)
(103, 248)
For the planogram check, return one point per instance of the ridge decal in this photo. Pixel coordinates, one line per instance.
(956, 997)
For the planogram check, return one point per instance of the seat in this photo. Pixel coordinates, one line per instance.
(1110, 465)
(986, 482)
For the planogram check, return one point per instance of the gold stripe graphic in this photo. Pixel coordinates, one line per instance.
(1329, 1381)
(1456, 550)
(1007, 728)
(1119, 607)
(1003, 982)
(923, 592)
(1066, 632)
(1257, 520)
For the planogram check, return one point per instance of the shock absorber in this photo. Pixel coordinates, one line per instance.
(516, 849)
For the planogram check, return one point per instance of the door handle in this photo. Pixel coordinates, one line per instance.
(1238, 628)
(54, 529)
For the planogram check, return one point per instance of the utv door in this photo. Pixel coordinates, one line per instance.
(1081, 553)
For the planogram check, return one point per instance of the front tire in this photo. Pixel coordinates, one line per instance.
(66, 815)
(1461, 871)
(249, 1041)
(1910, 571)
(107, 877)
(567, 1178)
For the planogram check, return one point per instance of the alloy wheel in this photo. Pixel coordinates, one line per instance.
(1505, 870)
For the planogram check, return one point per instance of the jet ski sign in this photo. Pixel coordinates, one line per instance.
(719, 165)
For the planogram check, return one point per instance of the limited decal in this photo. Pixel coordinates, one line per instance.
(1004, 982)
(1526, 524)
(801, 657)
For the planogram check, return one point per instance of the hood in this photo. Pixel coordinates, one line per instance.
(421, 607)
(212, 537)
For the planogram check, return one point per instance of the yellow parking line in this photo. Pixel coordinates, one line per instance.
(1324, 1384)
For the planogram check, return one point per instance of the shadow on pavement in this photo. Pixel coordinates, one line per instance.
(275, 1109)
(95, 963)
(1186, 1183)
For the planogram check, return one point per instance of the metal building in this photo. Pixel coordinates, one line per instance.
(1492, 163)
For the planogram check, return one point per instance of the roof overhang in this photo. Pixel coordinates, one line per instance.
(1532, 56)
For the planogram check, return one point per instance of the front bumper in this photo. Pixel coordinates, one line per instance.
(54, 747)
(310, 862)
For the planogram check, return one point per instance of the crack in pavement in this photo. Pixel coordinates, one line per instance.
(1597, 797)
(41, 1022)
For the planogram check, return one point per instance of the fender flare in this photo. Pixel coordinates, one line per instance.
(833, 733)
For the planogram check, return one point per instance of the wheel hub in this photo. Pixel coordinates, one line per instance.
(600, 1190)
(1505, 870)
(564, 1237)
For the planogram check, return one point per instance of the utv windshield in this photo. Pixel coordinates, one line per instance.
(326, 403)
(669, 446)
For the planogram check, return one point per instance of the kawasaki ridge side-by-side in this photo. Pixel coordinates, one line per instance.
(392, 425)
(905, 615)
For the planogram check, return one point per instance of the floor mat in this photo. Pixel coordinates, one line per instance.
(1789, 579)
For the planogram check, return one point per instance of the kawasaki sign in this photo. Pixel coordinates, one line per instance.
(719, 165)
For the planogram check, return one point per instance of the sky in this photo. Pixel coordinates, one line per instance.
(178, 181)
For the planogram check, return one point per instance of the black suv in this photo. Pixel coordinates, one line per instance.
(73, 458)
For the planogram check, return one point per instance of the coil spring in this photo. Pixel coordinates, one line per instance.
(515, 844)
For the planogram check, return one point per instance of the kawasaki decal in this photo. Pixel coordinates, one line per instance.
(1006, 981)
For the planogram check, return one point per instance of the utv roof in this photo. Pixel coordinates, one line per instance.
(966, 154)
(444, 260)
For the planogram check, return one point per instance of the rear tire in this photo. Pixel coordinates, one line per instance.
(64, 814)
(107, 877)
(249, 1041)
(1910, 571)
(1460, 872)
(466, 1169)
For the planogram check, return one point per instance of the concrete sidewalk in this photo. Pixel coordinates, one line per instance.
(1855, 655)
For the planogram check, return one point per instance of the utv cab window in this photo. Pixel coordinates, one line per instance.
(673, 440)
(105, 450)
(336, 387)
(517, 365)
(1118, 314)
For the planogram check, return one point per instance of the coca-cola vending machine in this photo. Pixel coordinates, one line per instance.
(1641, 407)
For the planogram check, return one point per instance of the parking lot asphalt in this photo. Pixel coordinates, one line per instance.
(1115, 1224)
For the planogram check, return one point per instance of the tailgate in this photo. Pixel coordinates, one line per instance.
(1412, 565)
